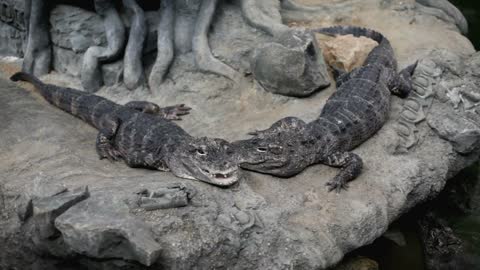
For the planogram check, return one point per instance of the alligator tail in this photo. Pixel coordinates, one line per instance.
(383, 50)
(22, 76)
(39, 85)
(73, 101)
(352, 30)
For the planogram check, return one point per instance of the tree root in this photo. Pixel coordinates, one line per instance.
(264, 15)
(165, 44)
(91, 74)
(258, 19)
(292, 5)
(133, 75)
(450, 10)
(38, 53)
(204, 58)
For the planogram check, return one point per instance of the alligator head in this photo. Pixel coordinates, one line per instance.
(281, 150)
(206, 159)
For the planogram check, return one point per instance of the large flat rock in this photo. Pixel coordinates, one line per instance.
(263, 222)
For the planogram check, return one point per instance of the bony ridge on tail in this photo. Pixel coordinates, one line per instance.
(142, 134)
(354, 113)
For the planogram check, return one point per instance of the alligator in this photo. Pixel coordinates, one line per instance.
(353, 114)
(143, 135)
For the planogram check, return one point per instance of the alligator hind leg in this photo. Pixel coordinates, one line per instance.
(174, 112)
(350, 166)
(107, 131)
(402, 83)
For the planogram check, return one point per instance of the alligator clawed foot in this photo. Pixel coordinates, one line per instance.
(175, 112)
(336, 185)
(111, 154)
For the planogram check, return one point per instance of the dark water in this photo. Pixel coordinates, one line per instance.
(471, 10)
(458, 205)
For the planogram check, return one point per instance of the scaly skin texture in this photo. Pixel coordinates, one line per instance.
(356, 111)
(142, 134)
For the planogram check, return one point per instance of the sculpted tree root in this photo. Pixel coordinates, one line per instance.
(253, 12)
(38, 54)
(255, 16)
(445, 10)
(204, 59)
(292, 5)
(164, 43)
(183, 26)
(133, 74)
(91, 75)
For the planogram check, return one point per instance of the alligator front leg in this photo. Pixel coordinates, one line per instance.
(350, 165)
(171, 112)
(174, 112)
(107, 131)
(144, 106)
(143, 159)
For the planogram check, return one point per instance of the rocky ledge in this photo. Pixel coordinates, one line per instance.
(63, 208)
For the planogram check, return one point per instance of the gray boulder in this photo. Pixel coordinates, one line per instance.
(292, 65)
(103, 228)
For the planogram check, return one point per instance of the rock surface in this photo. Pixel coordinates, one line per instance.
(12, 28)
(111, 232)
(263, 222)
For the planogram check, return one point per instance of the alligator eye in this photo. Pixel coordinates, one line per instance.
(201, 152)
(276, 149)
(262, 149)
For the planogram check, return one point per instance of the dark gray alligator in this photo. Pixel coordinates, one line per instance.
(142, 134)
(357, 110)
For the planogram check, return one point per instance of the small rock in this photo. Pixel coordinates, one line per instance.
(47, 209)
(347, 52)
(462, 133)
(173, 196)
(242, 217)
(103, 228)
(358, 263)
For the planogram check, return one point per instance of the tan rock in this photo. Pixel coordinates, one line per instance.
(347, 52)
(358, 263)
